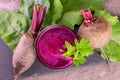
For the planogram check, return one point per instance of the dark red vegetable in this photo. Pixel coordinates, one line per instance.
(49, 43)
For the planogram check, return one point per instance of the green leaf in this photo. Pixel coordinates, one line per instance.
(26, 7)
(8, 20)
(54, 12)
(85, 48)
(71, 18)
(73, 5)
(70, 49)
(78, 60)
(113, 20)
(67, 12)
(71, 11)
(112, 49)
(79, 51)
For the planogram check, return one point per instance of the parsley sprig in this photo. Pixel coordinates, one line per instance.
(80, 50)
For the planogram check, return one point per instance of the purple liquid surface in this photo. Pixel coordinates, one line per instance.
(49, 43)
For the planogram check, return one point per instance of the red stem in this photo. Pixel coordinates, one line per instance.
(37, 20)
(40, 17)
(88, 17)
(34, 21)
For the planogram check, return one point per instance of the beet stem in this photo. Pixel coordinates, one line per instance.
(87, 14)
(37, 20)
(88, 17)
(106, 57)
(34, 21)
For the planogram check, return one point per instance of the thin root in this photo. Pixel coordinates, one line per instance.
(106, 57)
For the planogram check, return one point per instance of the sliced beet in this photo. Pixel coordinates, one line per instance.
(49, 43)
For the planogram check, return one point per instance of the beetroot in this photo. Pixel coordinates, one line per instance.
(49, 43)
(95, 29)
(24, 54)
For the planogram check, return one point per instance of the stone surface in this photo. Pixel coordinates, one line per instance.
(9, 5)
(6, 68)
(88, 72)
(112, 6)
(40, 72)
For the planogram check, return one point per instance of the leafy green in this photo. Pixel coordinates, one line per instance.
(84, 47)
(71, 10)
(77, 5)
(80, 50)
(78, 59)
(26, 7)
(67, 12)
(9, 21)
(70, 49)
(112, 49)
(64, 12)
(71, 18)
(54, 13)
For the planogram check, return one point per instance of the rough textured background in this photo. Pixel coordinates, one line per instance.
(94, 69)
(113, 6)
(6, 68)
(6, 5)
(88, 72)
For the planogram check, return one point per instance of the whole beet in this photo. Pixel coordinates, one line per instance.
(24, 54)
(95, 29)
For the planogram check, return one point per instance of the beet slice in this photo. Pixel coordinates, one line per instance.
(49, 43)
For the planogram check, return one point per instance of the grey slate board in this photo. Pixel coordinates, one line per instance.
(6, 69)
